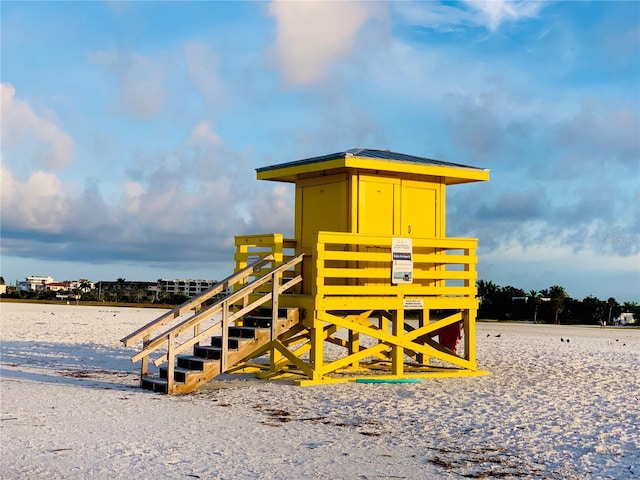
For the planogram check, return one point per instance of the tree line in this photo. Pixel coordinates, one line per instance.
(549, 305)
(119, 291)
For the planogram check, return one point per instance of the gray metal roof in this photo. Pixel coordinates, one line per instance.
(368, 153)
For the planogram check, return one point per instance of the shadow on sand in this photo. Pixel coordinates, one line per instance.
(80, 365)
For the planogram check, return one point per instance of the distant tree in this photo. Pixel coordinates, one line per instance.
(614, 309)
(629, 306)
(487, 292)
(558, 297)
(90, 296)
(119, 287)
(2, 281)
(141, 293)
(46, 295)
(536, 300)
(177, 299)
(160, 289)
(85, 285)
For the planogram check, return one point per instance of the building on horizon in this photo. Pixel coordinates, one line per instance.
(34, 282)
(189, 287)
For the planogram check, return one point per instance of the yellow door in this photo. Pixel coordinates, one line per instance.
(419, 219)
(419, 210)
(378, 214)
(377, 205)
(323, 208)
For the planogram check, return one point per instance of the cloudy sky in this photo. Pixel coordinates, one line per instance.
(131, 131)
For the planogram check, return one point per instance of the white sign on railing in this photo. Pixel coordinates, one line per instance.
(413, 304)
(401, 260)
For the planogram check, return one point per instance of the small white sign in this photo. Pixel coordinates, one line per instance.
(413, 304)
(401, 260)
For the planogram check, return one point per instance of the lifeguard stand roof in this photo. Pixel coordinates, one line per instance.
(374, 160)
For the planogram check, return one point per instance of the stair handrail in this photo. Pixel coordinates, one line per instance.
(195, 301)
(230, 318)
(193, 321)
(169, 336)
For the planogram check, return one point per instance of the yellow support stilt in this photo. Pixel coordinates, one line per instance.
(397, 352)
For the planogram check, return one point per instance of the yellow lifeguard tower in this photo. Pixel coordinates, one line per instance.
(370, 270)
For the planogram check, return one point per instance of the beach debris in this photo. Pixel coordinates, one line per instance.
(561, 339)
(499, 335)
(567, 340)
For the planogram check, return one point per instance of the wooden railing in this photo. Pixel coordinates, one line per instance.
(218, 313)
(354, 271)
(250, 247)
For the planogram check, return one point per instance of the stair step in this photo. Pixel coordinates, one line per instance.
(267, 312)
(256, 321)
(193, 370)
(179, 374)
(232, 343)
(205, 352)
(191, 362)
(242, 332)
(154, 384)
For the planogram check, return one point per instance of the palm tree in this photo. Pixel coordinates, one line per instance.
(558, 296)
(85, 285)
(141, 293)
(612, 304)
(120, 288)
(536, 298)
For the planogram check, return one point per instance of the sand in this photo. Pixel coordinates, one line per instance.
(71, 408)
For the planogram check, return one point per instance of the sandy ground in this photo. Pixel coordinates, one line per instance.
(71, 409)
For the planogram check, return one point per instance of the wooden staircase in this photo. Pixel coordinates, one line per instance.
(239, 325)
(207, 361)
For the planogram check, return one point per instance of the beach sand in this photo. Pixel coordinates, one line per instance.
(71, 409)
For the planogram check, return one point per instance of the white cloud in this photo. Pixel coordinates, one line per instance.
(38, 204)
(272, 210)
(141, 93)
(202, 65)
(490, 14)
(311, 36)
(495, 12)
(28, 135)
(203, 135)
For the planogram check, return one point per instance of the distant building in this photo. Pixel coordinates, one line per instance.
(33, 282)
(56, 286)
(626, 319)
(190, 288)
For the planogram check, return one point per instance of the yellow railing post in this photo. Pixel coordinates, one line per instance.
(316, 333)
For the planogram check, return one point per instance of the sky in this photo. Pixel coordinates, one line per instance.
(131, 131)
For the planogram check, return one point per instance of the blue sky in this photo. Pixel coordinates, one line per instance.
(131, 131)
